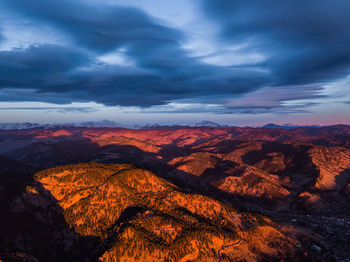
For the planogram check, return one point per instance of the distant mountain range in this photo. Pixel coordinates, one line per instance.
(103, 123)
(90, 124)
(204, 123)
(210, 124)
(112, 124)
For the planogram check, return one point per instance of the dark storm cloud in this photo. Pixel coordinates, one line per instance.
(58, 109)
(304, 41)
(163, 70)
(99, 27)
(53, 73)
(103, 29)
(38, 66)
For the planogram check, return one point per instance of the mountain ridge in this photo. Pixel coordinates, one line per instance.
(185, 193)
(112, 124)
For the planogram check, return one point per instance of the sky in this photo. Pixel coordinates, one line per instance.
(242, 62)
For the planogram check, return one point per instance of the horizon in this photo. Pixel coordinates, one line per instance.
(138, 62)
(105, 123)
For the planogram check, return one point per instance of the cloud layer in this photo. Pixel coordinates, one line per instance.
(301, 45)
(304, 41)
